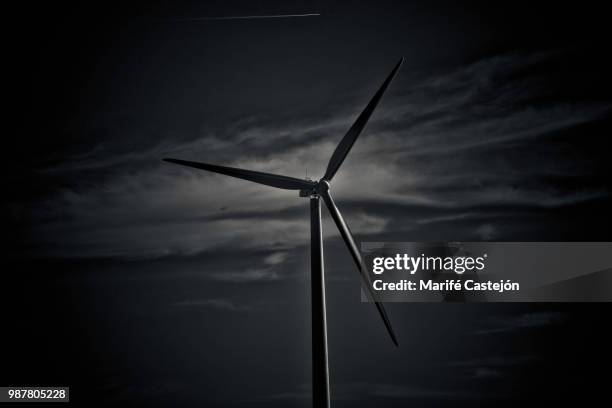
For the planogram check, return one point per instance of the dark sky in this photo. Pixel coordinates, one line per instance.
(141, 282)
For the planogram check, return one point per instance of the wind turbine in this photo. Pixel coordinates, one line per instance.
(316, 190)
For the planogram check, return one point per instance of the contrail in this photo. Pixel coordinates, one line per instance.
(246, 17)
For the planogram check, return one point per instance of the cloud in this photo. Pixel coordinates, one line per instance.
(302, 392)
(222, 304)
(486, 231)
(486, 373)
(491, 367)
(276, 258)
(493, 361)
(249, 275)
(356, 391)
(397, 391)
(532, 320)
(454, 146)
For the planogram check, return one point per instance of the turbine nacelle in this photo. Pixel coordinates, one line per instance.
(318, 189)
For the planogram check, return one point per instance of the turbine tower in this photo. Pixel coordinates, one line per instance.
(317, 190)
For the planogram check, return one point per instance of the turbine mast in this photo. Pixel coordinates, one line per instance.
(320, 367)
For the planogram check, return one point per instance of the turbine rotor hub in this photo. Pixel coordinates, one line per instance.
(322, 186)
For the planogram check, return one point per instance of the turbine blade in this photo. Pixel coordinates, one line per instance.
(273, 180)
(352, 247)
(351, 136)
